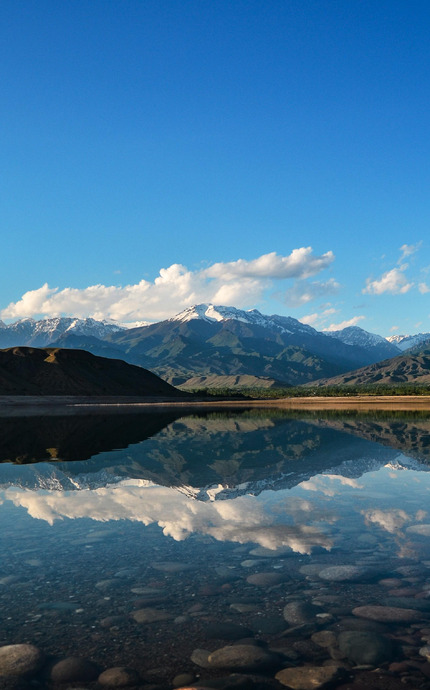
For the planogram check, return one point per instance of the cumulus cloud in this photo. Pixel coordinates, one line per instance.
(390, 520)
(240, 282)
(344, 324)
(301, 263)
(303, 292)
(423, 288)
(394, 282)
(242, 519)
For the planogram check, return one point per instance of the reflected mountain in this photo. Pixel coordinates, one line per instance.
(213, 455)
(39, 439)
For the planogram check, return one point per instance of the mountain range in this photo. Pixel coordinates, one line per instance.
(218, 346)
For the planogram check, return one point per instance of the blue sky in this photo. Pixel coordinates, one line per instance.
(269, 154)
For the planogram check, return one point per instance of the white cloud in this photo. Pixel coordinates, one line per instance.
(393, 282)
(242, 519)
(303, 292)
(240, 283)
(394, 328)
(301, 263)
(390, 520)
(423, 288)
(408, 250)
(318, 319)
(344, 324)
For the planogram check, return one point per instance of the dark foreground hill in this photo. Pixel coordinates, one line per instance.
(404, 369)
(56, 371)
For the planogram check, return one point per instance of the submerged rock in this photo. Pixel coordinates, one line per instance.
(309, 677)
(74, 669)
(298, 612)
(365, 647)
(20, 660)
(242, 657)
(387, 614)
(119, 677)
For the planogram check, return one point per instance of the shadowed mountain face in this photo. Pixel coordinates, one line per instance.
(413, 368)
(240, 453)
(55, 371)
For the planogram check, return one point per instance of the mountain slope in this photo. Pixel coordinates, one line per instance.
(54, 371)
(28, 332)
(402, 369)
(377, 346)
(205, 340)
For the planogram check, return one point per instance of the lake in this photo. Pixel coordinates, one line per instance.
(220, 548)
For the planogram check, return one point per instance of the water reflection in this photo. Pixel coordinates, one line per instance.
(203, 520)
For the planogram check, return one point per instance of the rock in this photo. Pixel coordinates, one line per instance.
(227, 631)
(425, 652)
(119, 677)
(242, 657)
(324, 638)
(20, 660)
(74, 669)
(200, 658)
(387, 614)
(265, 579)
(182, 679)
(311, 570)
(244, 608)
(111, 621)
(309, 677)
(149, 615)
(365, 647)
(299, 612)
(347, 573)
(407, 603)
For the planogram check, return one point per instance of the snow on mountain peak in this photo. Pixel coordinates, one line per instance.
(404, 342)
(354, 335)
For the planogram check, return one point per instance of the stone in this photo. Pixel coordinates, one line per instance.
(74, 669)
(310, 570)
(182, 679)
(387, 614)
(119, 677)
(111, 621)
(299, 612)
(309, 677)
(347, 573)
(20, 660)
(265, 579)
(324, 638)
(242, 657)
(149, 615)
(365, 647)
(425, 652)
(200, 658)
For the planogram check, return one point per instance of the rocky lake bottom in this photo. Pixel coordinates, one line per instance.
(296, 574)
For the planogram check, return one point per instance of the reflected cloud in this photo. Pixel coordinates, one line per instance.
(242, 519)
(325, 484)
(390, 520)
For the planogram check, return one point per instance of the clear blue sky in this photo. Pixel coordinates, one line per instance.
(136, 136)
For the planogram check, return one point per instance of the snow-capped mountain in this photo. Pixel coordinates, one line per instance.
(405, 342)
(356, 336)
(212, 313)
(29, 332)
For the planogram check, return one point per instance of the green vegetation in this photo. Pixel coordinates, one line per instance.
(315, 391)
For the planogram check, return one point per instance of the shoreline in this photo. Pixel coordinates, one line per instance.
(33, 405)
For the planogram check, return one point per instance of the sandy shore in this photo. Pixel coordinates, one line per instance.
(40, 405)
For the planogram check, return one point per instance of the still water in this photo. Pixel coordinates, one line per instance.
(152, 541)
